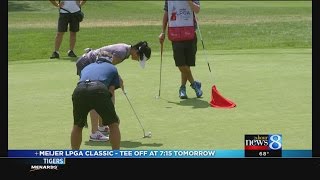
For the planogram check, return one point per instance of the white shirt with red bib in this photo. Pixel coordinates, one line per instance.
(180, 21)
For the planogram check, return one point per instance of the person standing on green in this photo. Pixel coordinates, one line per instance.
(115, 54)
(180, 19)
(67, 16)
(95, 90)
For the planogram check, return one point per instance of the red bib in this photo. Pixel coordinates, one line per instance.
(180, 21)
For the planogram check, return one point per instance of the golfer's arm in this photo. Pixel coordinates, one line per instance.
(54, 3)
(82, 2)
(116, 60)
(121, 83)
(194, 7)
(164, 22)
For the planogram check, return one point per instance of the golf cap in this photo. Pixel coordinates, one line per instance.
(145, 53)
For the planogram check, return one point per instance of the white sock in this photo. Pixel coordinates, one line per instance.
(101, 128)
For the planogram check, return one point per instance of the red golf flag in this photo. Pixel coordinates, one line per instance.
(218, 101)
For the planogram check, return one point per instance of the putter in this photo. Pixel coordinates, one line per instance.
(144, 134)
(161, 50)
(204, 51)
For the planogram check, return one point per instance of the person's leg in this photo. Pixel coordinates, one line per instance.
(73, 39)
(196, 85)
(76, 137)
(96, 123)
(80, 113)
(62, 28)
(100, 123)
(179, 59)
(186, 74)
(96, 135)
(74, 28)
(58, 41)
(94, 116)
(190, 54)
(105, 129)
(105, 108)
(115, 136)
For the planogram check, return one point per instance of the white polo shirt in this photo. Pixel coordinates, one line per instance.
(70, 5)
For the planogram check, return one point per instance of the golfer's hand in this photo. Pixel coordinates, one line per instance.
(60, 4)
(162, 36)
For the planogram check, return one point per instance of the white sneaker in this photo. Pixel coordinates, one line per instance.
(98, 136)
(104, 130)
(86, 50)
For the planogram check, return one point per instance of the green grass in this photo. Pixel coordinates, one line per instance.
(272, 89)
(224, 25)
(259, 52)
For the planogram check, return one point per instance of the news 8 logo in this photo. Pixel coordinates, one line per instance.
(263, 145)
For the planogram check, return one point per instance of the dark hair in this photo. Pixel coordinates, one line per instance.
(143, 49)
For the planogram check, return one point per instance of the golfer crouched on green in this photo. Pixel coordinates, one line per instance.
(95, 90)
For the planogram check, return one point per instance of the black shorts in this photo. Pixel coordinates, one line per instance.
(184, 52)
(70, 19)
(93, 95)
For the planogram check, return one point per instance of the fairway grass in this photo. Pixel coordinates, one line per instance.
(271, 87)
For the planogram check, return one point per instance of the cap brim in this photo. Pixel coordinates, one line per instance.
(143, 61)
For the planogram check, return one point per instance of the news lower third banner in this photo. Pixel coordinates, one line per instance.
(149, 154)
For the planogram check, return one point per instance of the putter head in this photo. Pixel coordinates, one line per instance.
(148, 135)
